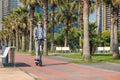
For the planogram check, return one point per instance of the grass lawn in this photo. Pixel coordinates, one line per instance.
(96, 58)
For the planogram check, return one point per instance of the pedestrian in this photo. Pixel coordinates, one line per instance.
(39, 36)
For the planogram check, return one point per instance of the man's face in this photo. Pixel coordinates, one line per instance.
(39, 23)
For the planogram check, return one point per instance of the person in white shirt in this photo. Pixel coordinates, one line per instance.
(39, 36)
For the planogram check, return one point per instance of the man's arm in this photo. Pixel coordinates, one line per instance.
(35, 33)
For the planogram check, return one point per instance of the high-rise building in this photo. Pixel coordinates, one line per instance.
(107, 17)
(6, 6)
(104, 18)
(4, 10)
(14, 4)
(100, 18)
(0, 14)
(119, 19)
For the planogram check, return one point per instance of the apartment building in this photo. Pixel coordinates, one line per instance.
(104, 18)
(6, 6)
(4, 10)
(15, 4)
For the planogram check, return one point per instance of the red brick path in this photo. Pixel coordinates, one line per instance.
(60, 70)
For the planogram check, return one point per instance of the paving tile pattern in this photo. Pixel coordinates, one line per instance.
(53, 69)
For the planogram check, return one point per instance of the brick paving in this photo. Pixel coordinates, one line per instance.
(53, 69)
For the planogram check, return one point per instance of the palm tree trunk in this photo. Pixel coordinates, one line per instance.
(5, 42)
(81, 15)
(66, 35)
(27, 41)
(16, 40)
(13, 42)
(30, 39)
(52, 27)
(1, 42)
(32, 10)
(86, 46)
(112, 35)
(116, 49)
(23, 41)
(45, 9)
(20, 41)
(9, 41)
(80, 21)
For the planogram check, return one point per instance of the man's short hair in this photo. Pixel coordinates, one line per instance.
(40, 20)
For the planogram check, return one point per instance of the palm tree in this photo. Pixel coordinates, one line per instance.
(52, 4)
(15, 16)
(114, 20)
(9, 27)
(67, 15)
(32, 5)
(114, 27)
(5, 23)
(4, 36)
(1, 39)
(45, 17)
(81, 14)
(80, 8)
(23, 23)
(86, 46)
(44, 3)
(5, 32)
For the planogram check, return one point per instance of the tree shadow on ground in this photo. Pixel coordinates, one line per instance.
(55, 64)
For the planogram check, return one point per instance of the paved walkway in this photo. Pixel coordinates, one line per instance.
(14, 74)
(57, 69)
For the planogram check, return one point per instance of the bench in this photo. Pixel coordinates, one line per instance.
(62, 49)
(80, 50)
(103, 48)
(10, 50)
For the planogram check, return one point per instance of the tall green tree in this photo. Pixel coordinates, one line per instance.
(45, 17)
(44, 4)
(52, 4)
(81, 14)
(31, 4)
(15, 23)
(80, 17)
(66, 15)
(7, 27)
(22, 14)
(114, 28)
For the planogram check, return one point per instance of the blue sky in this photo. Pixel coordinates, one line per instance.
(92, 17)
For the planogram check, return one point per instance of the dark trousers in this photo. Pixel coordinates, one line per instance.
(38, 48)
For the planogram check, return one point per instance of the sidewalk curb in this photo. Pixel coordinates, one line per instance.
(30, 74)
